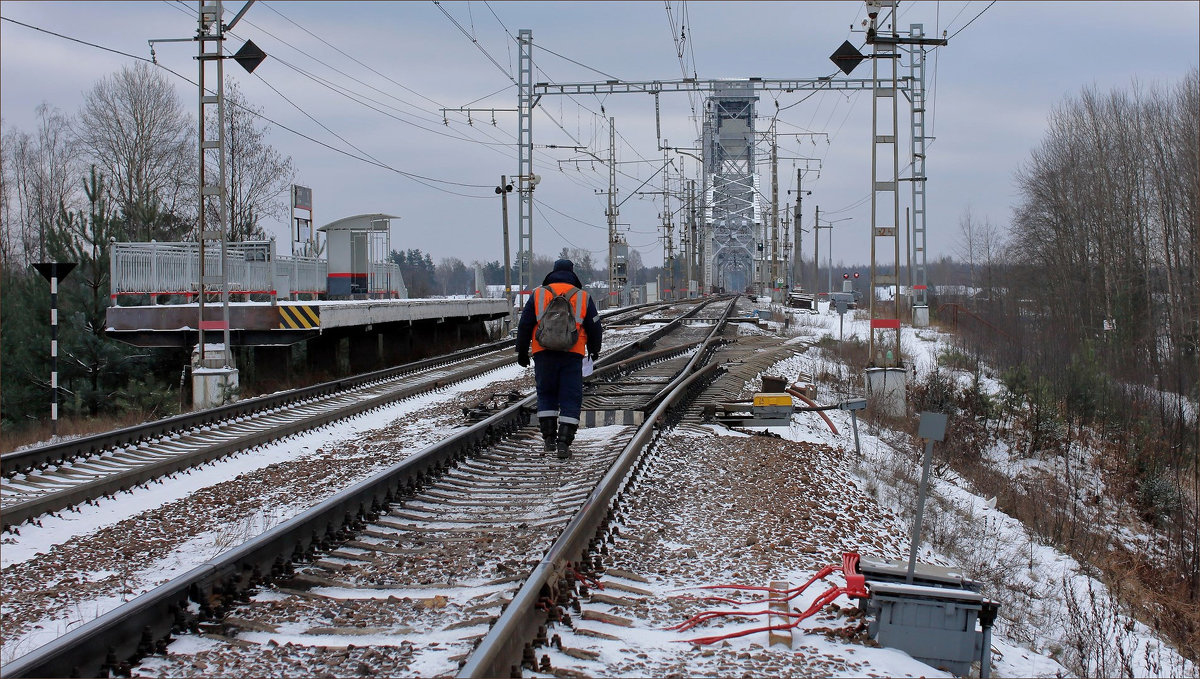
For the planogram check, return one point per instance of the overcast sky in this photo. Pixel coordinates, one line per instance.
(990, 92)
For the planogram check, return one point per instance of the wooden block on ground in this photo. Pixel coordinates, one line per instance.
(581, 654)
(618, 573)
(249, 625)
(605, 617)
(599, 598)
(774, 618)
(622, 587)
(480, 620)
(598, 635)
(349, 631)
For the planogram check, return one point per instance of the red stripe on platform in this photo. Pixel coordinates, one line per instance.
(346, 275)
(213, 325)
(893, 323)
(919, 287)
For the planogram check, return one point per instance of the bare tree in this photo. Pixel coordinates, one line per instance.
(40, 173)
(980, 244)
(132, 126)
(257, 175)
(633, 267)
(453, 277)
(11, 246)
(585, 267)
(1106, 252)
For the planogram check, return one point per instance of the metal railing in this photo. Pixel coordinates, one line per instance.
(251, 268)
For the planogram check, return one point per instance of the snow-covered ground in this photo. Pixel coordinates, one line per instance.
(1056, 616)
(69, 568)
(1059, 617)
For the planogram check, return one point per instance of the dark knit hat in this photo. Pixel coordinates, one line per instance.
(564, 265)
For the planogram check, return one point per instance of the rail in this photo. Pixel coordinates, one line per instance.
(499, 653)
(107, 644)
(26, 460)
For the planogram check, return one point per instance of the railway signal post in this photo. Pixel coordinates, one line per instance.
(54, 272)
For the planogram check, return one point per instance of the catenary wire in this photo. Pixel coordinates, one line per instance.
(360, 63)
(369, 161)
(474, 41)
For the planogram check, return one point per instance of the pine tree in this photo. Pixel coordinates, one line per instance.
(96, 369)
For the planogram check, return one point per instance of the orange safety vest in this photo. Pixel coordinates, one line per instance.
(542, 297)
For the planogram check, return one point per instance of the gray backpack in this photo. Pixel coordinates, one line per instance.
(557, 325)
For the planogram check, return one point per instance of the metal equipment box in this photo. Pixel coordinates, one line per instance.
(769, 399)
(935, 625)
(933, 619)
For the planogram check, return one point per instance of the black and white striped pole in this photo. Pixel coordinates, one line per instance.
(54, 272)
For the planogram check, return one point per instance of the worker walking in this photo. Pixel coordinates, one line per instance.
(561, 323)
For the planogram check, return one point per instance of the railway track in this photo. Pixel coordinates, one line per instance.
(57, 477)
(100, 644)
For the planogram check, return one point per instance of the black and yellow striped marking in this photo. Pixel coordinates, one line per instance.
(299, 317)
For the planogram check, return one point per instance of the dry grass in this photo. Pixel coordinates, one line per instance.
(67, 428)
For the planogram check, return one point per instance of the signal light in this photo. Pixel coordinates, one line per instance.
(846, 276)
(856, 274)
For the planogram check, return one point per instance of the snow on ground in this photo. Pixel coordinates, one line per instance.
(1053, 597)
(91, 577)
(58, 529)
(138, 516)
(1064, 612)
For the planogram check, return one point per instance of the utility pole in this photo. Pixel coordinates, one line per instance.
(210, 39)
(685, 245)
(504, 189)
(884, 346)
(668, 235)
(785, 268)
(691, 255)
(525, 177)
(798, 262)
(774, 282)
(616, 273)
(218, 384)
(816, 252)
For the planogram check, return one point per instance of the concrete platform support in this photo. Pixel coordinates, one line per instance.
(213, 386)
(920, 316)
(213, 382)
(887, 390)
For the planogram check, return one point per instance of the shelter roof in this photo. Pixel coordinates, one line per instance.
(365, 222)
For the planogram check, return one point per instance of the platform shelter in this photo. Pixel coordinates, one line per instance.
(357, 248)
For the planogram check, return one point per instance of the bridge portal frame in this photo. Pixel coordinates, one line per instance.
(530, 94)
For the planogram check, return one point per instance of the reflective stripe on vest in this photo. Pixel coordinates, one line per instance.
(542, 297)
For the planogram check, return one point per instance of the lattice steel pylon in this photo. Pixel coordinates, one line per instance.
(525, 177)
(728, 150)
(712, 187)
(617, 250)
(210, 36)
(917, 97)
(884, 345)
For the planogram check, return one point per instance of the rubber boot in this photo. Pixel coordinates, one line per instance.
(549, 427)
(566, 435)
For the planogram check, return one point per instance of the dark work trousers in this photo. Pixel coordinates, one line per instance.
(559, 377)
